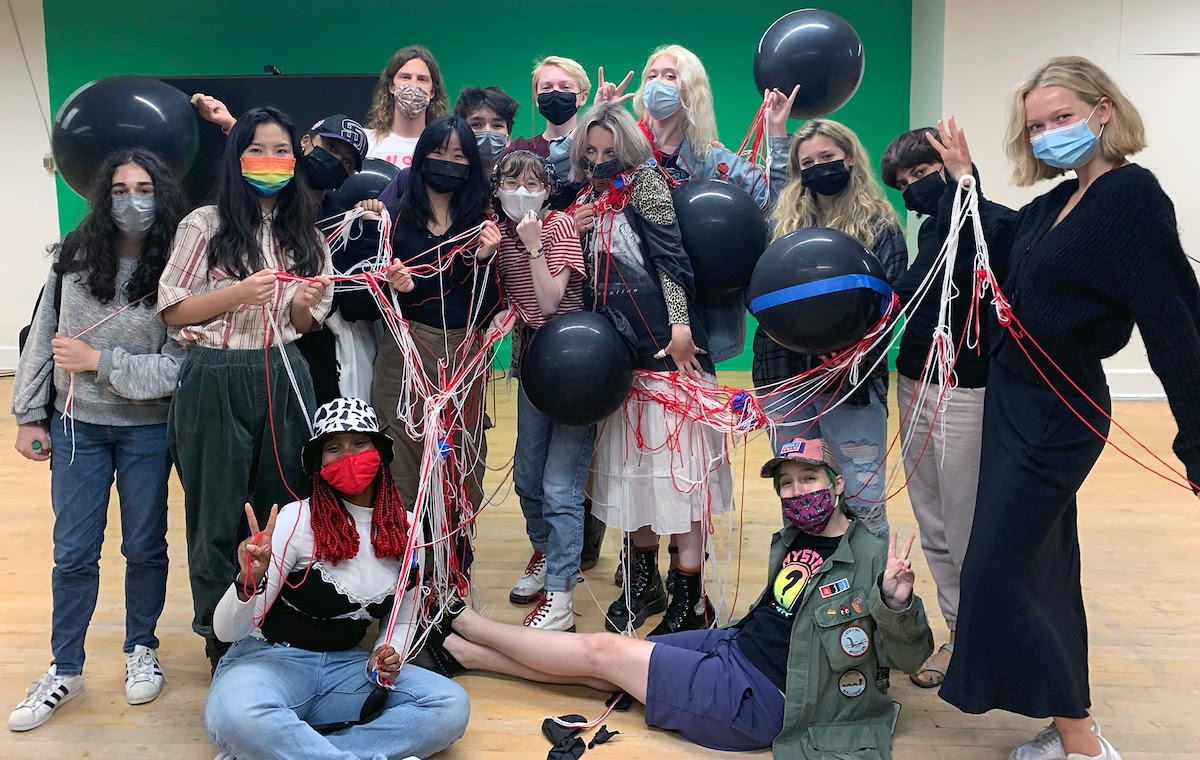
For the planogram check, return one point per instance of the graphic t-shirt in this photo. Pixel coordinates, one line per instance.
(394, 149)
(767, 630)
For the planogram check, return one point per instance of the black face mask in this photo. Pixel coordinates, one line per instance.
(444, 176)
(323, 169)
(924, 195)
(829, 178)
(604, 171)
(558, 107)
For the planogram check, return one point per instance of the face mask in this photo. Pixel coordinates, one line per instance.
(601, 172)
(133, 214)
(353, 473)
(660, 98)
(491, 145)
(411, 100)
(267, 175)
(924, 195)
(444, 176)
(558, 107)
(517, 203)
(1068, 147)
(324, 170)
(811, 512)
(829, 178)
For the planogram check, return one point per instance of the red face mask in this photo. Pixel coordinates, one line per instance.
(353, 473)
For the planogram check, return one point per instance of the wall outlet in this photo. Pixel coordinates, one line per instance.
(48, 164)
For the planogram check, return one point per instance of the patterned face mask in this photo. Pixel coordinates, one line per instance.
(810, 512)
(411, 100)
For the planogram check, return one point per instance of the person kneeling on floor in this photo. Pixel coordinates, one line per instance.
(803, 672)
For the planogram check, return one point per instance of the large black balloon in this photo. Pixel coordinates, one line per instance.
(122, 112)
(578, 369)
(723, 231)
(817, 291)
(366, 184)
(817, 50)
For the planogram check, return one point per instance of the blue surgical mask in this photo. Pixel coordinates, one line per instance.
(1068, 147)
(660, 98)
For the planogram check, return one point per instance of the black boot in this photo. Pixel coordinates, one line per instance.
(647, 595)
(689, 609)
(593, 537)
(215, 649)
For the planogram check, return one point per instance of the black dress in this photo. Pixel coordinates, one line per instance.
(1077, 288)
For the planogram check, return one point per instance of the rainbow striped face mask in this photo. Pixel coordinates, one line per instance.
(267, 175)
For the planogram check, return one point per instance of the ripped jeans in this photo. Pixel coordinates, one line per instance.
(857, 433)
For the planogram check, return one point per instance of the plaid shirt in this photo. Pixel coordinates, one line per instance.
(773, 363)
(187, 274)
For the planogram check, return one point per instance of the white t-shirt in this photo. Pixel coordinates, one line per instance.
(394, 149)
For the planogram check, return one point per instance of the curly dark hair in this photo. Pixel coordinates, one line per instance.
(92, 246)
(235, 247)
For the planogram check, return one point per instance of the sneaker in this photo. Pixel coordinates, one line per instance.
(42, 698)
(529, 588)
(1047, 745)
(143, 675)
(224, 756)
(553, 613)
(1107, 752)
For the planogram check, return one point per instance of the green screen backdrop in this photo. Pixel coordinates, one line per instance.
(475, 43)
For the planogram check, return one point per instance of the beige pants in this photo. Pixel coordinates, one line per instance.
(942, 484)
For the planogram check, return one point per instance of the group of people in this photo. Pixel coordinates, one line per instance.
(214, 341)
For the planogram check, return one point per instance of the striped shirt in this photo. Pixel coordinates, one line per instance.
(187, 274)
(560, 244)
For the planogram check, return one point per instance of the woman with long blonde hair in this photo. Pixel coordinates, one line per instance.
(831, 185)
(1088, 260)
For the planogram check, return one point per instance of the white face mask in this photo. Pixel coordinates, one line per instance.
(517, 203)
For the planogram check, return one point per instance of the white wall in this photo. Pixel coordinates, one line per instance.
(28, 207)
(992, 46)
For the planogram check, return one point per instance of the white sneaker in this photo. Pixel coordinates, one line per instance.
(529, 587)
(42, 698)
(1047, 745)
(143, 675)
(1106, 753)
(554, 613)
(224, 756)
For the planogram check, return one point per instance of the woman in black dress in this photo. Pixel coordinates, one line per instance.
(1087, 260)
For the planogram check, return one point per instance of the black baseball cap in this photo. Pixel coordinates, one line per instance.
(342, 127)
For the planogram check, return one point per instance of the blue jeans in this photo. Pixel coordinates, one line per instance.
(266, 697)
(79, 493)
(858, 434)
(550, 469)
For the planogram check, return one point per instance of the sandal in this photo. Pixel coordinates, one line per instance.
(937, 674)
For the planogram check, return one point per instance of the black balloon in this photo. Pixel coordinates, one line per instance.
(578, 369)
(817, 50)
(817, 290)
(122, 112)
(366, 184)
(723, 231)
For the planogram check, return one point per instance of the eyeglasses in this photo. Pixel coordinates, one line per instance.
(512, 185)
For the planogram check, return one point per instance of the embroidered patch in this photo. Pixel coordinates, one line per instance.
(857, 604)
(852, 684)
(835, 588)
(855, 641)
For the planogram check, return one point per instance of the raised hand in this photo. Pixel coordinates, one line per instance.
(779, 107)
(211, 109)
(254, 554)
(489, 240)
(529, 229)
(607, 92)
(951, 145)
(399, 277)
(585, 218)
(898, 577)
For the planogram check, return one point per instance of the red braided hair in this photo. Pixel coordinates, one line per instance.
(335, 537)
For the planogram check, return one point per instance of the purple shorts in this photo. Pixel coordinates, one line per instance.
(701, 685)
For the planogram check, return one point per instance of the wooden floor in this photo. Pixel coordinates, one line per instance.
(1141, 581)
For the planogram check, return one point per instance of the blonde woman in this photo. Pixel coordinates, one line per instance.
(1090, 258)
(655, 471)
(410, 94)
(831, 185)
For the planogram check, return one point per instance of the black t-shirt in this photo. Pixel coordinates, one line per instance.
(766, 631)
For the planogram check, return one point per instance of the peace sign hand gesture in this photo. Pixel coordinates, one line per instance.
(897, 584)
(254, 554)
(607, 92)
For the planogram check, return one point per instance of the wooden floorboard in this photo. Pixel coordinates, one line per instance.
(1140, 549)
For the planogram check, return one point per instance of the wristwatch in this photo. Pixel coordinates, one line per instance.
(536, 254)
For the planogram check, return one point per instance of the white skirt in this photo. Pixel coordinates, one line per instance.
(655, 467)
